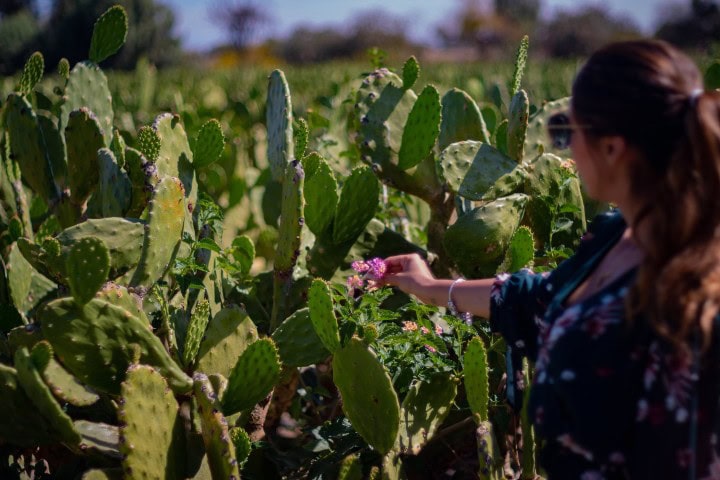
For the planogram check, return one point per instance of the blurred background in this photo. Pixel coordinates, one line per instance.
(228, 33)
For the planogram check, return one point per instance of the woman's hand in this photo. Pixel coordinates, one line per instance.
(409, 273)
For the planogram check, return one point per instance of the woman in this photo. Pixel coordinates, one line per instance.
(625, 335)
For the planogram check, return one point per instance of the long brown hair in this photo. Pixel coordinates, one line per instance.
(651, 94)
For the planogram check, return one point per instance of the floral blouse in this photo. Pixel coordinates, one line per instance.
(610, 402)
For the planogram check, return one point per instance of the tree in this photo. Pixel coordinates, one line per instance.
(520, 11)
(580, 32)
(18, 27)
(696, 25)
(242, 21)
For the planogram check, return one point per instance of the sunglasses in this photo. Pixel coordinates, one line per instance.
(560, 130)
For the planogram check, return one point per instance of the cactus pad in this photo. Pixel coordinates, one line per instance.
(242, 443)
(410, 72)
(124, 239)
(550, 179)
(32, 73)
(489, 456)
(195, 331)
(151, 430)
(175, 157)
(322, 316)
(65, 386)
(297, 342)
(518, 125)
(421, 129)
(109, 33)
(253, 377)
(27, 286)
(381, 110)
(461, 120)
(478, 239)
(115, 190)
(149, 143)
(94, 343)
(520, 61)
(423, 410)
(369, 400)
(301, 134)
(209, 144)
(521, 250)
(321, 198)
(27, 147)
(216, 436)
(27, 428)
(470, 167)
(83, 138)
(42, 398)
(87, 265)
(279, 125)
(291, 219)
(228, 335)
(162, 233)
(64, 68)
(358, 201)
(88, 88)
(475, 371)
(536, 140)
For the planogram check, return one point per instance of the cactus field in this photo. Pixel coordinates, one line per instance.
(188, 266)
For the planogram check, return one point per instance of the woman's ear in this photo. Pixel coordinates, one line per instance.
(613, 148)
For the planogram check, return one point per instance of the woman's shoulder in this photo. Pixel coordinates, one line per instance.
(605, 225)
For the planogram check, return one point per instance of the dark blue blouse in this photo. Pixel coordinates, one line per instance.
(609, 401)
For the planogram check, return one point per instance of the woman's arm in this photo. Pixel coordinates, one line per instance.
(412, 275)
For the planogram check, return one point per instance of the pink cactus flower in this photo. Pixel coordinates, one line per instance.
(424, 330)
(438, 330)
(409, 326)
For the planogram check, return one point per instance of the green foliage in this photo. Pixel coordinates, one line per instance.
(87, 265)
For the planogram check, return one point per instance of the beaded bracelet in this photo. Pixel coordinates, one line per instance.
(465, 316)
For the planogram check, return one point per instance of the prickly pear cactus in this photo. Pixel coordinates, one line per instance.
(424, 408)
(321, 198)
(32, 73)
(109, 34)
(94, 342)
(475, 371)
(254, 375)
(279, 125)
(209, 144)
(41, 396)
(517, 125)
(478, 240)
(64, 386)
(410, 72)
(162, 233)
(195, 331)
(421, 129)
(28, 427)
(87, 265)
(358, 201)
(369, 400)
(87, 87)
(228, 335)
(322, 315)
(382, 109)
(470, 167)
(461, 120)
(297, 341)
(83, 137)
(215, 432)
(151, 429)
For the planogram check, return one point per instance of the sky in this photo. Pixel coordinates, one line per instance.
(199, 32)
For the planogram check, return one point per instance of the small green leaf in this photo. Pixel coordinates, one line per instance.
(243, 251)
